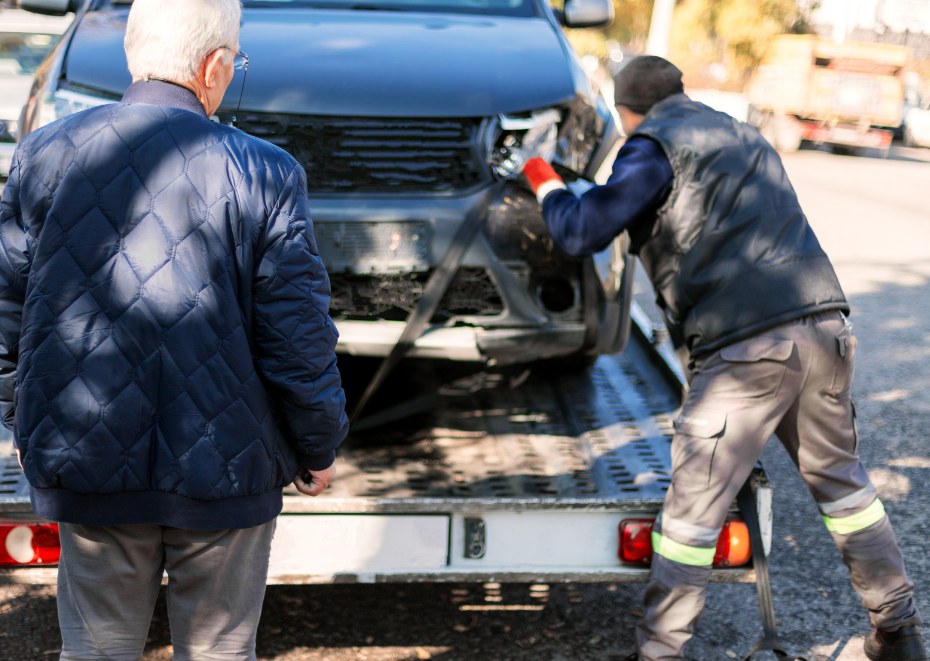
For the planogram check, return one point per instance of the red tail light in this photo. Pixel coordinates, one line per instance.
(29, 544)
(636, 541)
(733, 547)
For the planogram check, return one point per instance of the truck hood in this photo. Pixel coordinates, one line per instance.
(365, 63)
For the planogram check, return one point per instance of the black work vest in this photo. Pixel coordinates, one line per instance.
(730, 253)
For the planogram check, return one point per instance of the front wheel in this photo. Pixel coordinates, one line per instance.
(846, 150)
(909, 140)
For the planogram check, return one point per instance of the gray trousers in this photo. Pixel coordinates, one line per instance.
(793, 381)
(109, 577)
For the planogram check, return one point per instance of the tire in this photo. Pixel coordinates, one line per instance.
(846, 150)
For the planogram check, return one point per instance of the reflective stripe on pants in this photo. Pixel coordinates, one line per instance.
(846, 525)
(681, 553)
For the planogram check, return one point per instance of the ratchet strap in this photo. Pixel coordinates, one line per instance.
(433, 293)
(746, 500)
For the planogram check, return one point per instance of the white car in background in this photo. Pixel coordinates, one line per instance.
(917, 126)
(25, 40)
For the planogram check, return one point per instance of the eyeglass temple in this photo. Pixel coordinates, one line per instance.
(245, 70)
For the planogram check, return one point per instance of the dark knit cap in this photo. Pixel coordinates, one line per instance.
(645, 81)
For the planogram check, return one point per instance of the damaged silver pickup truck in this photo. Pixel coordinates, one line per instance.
(404, 113)
(411, 118)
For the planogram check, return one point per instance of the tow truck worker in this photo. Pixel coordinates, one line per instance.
(743, 281)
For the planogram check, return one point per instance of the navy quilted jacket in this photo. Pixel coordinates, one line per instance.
(166, 352)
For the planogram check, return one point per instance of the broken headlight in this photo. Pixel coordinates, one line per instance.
(518, 139)
(566, 137)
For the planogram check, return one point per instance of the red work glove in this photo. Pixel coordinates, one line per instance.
(542, 178)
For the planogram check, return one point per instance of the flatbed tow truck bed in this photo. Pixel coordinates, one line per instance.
(519, 483)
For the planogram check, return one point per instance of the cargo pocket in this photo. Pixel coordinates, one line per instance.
(845, 361)
(752, 370)
(697, 431)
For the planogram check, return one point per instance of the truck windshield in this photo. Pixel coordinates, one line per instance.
(21, 53)
(487, 7)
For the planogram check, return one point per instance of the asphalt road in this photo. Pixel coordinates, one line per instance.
(873, 218)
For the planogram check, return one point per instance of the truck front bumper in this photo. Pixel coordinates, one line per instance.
(509, 345)
(846, 135)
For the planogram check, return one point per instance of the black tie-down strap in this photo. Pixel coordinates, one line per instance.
(746, 500)
(433, 292)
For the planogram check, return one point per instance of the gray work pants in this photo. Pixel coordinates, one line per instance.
(793, 381)
(109, 577)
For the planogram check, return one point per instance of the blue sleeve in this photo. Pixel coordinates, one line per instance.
(14, 269)
(641, 180)
(294, 336)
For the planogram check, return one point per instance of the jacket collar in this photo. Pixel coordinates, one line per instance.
(163, 93)
(667, 102)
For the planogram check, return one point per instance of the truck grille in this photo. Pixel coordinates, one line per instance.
(375, 155)
(394, 296)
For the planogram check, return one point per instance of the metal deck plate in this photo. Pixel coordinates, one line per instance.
(14, 490)
(597, 440)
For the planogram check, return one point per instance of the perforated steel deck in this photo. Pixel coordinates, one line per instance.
(595, 441)
(598, 440)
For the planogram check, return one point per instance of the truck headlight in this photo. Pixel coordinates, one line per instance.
(565, 136)
(520, 138)
(55, 105)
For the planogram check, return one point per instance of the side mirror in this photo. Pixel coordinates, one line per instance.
(587, 13)
(51, 7)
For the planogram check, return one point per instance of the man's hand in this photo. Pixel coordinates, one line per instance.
(319, 480)
(542, 178)
(19, 458)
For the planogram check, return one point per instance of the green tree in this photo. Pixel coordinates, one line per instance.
(631, 25)
(719, 42)
(630, 28)
(714, 42)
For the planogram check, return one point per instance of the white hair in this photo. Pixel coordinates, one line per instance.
(169, 39)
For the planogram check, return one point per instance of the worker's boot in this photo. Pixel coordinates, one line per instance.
(905, 644)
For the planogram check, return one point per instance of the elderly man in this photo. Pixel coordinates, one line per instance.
(166, 354)
(744, 283)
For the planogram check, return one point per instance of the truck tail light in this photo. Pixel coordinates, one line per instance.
(636, 541)
(733, 548)
(29, 544)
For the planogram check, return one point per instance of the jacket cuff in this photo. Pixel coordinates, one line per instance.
(548, 187)
(317, 462)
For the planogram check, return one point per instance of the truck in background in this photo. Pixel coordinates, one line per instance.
(844, 95)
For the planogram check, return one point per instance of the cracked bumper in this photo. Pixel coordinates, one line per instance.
(509, 345)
